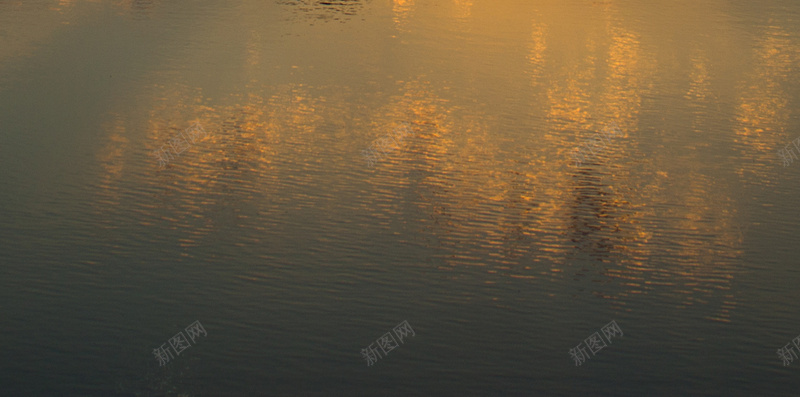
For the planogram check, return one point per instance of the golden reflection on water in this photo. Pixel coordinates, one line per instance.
(763, 109)
(463, 9)
(646, 215)
(113, 159)
(537, 46)
(402, 10)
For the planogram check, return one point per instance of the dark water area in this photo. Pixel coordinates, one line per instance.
(399, 198)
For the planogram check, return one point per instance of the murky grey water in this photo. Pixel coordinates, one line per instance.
(504, 226)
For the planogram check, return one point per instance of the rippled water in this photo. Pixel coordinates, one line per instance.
(482, 227)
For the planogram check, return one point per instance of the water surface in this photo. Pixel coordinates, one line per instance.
(478, 228)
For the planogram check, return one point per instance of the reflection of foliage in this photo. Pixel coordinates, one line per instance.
(165, 199)
(224, 211)
(325, 9)
(138, 9)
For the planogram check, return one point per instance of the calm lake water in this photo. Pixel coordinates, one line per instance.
(557, 165)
